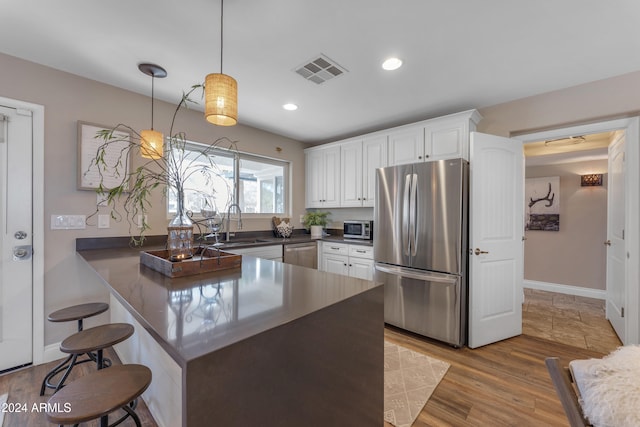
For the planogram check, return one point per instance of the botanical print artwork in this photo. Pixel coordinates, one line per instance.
(542, 203)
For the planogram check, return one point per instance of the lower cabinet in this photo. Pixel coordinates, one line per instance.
(347, 259)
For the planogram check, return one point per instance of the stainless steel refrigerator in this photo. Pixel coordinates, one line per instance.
(420, 247)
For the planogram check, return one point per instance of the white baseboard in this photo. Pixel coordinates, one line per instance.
(566, 289)
(52, 352)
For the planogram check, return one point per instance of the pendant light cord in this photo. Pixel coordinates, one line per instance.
(221, 32)
(153, 78)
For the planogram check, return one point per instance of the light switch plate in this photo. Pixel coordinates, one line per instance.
(103, 221)
(68, 222)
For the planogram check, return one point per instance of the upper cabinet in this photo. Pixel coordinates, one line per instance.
(342, 174)
(358, 161)
(436, 139)
(322, 177)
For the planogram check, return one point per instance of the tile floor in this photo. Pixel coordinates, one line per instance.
(574, 320)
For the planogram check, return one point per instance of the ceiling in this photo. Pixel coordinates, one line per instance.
(457, 54)
(577, 148)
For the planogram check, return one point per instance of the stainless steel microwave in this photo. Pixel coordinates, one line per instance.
(356, 229)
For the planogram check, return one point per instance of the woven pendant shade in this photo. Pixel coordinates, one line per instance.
(221, 99)
(151, 144)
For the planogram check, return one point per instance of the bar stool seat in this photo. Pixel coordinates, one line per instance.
(98, 394)
(93, 340)
(77, 312)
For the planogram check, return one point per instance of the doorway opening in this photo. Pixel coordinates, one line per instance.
(611, 130)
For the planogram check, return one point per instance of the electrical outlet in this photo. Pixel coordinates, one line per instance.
(301, 219)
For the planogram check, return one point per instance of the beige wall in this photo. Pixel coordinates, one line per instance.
(68, 98)
(588, 103)
(575, 255)
(612, 98)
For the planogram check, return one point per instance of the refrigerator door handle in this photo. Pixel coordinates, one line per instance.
(406, 215)
(413, 238)
(410, 273)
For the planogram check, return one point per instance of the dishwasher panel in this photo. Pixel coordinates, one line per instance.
(302, 254)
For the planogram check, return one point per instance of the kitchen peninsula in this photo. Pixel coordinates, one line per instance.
(267, 343)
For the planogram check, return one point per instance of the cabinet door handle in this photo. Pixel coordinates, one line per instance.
(334, 248)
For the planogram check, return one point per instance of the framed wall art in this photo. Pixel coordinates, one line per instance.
(542, 203)
(117, 157)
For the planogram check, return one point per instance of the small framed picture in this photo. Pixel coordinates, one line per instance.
(117, 157)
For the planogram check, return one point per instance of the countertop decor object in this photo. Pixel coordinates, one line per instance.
(169, 173)
(315, 221)
(205, 260)
(284, 229)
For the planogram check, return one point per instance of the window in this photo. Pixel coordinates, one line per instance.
(258, 184)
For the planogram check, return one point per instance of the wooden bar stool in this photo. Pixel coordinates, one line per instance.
(68, 314)
(98, 394)
(93, 340)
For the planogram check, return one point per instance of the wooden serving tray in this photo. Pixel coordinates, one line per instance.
(204, 261)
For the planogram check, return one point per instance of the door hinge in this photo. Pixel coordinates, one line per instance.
(622, 312)
(623, 234)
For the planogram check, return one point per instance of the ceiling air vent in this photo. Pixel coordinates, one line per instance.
(320, 69)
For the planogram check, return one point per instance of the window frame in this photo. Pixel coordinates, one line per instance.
(237, 156)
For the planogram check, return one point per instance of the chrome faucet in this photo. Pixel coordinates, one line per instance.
(239, 226)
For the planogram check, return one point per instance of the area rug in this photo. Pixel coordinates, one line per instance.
(409, 381)
(3, 400)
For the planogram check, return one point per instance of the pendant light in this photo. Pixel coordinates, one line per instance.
(152, 141)
(221, 92)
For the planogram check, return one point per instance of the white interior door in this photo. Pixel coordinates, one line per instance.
(496, 228)
(616, 248)
(16, 263)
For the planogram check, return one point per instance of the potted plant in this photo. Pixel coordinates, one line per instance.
(315, 221)
(169, 173)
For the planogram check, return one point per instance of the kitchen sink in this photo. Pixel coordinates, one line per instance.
(243, 242)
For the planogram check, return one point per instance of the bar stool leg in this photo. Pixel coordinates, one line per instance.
(67, 372)
(55, 371)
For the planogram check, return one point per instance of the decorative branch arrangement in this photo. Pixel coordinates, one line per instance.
(171, 171)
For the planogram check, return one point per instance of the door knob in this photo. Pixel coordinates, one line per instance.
(22, 253)
(478, 252)
(608, 243)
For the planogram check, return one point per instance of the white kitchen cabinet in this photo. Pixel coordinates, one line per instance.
(436, 139)
(406, 145)
(346, 259)
(338, 264)
(359, 160)
(322, 177)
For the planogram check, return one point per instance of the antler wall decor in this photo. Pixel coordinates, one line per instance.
(548, 198)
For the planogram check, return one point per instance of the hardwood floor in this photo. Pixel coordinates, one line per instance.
(23, 387)
(506, 383)
(503, 384)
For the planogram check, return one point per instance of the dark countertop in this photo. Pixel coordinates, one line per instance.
(196, 315)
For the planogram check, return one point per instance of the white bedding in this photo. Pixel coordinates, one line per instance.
(609, 388)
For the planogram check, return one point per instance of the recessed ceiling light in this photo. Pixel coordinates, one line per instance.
(290, 107)
(392, 64)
